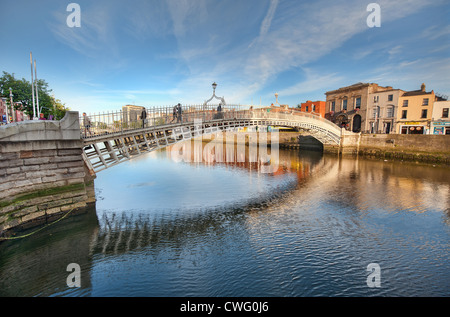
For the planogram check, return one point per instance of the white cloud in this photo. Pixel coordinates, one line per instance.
(312, 83)
(95, 35)
(242, 46)
(265, 25)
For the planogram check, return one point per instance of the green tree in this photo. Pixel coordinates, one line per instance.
(21, 90)
(22, 95)
(59, 109)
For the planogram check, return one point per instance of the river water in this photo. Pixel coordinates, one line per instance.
(167, 228)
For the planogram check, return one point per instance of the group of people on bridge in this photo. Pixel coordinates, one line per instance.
(177, 113)
(177, 116)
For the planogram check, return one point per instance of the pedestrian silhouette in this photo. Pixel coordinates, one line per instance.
(143, 117)
(179, 112)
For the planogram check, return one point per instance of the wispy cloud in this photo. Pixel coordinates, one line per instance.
(242, 46)
(95, 34)
(265, 25)
(312, 83)
(291, 34)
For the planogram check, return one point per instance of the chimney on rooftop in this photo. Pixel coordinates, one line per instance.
(422, 87)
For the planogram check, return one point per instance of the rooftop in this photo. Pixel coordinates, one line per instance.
(417, 93)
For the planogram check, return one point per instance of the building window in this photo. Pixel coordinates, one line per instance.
(307, 108)
(424, 114)
(375, 98)
(333, 106)
(314, 108)
(445, 113)
(405, 103)
(376, 112)
(344, 104)
(390, 112)
(390, 97)
(425, 102)
(404, 113)
(358, 103)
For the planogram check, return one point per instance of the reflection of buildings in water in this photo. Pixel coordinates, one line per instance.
(251, 157)
(346, 184)
(124, 232)
(391, 186)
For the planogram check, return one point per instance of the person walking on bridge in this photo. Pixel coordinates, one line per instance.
(143, 117)
(174, 113)
(219, 111)
(179, 112)
(86, 124)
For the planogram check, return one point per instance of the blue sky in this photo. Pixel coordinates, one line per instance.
(162, 52)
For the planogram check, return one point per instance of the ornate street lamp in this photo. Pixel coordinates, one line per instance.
(214, 86)
(276, 99)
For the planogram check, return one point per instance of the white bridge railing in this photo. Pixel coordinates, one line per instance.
(110, 141)
(117, 122)
(131, 119)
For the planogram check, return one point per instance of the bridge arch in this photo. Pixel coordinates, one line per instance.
(109, 149)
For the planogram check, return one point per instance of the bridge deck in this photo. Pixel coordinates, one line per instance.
(110, 146)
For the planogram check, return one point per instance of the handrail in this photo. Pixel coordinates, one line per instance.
(122, 121)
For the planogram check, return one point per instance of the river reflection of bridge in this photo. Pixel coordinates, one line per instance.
(354, 195)
(126, 231)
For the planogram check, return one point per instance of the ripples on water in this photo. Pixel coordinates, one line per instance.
(177, 229)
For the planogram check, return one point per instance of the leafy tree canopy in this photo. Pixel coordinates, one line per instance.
(22, 96)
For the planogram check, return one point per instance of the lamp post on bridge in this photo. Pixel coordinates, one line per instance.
(276, 99)
(214, 86)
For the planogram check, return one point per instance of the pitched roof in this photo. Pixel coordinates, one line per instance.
(416, 93)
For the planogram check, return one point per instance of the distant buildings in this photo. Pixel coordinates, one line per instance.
(440, 121)
(315, 107)
(2, 110)
(349, 108)
(370, 108)
(382, 109)
(14, 116)
(131, 113)
(415, 110)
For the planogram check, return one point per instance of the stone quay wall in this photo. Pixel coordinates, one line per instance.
(412, 147)
(42, 172)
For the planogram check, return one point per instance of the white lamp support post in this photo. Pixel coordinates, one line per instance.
(37, 93)
(276, 99)
(32, 87)
(214, 86)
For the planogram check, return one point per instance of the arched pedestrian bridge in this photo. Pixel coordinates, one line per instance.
(111, 140)
(45, 165)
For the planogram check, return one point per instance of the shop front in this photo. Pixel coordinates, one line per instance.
(441, 128)
(413, 128)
